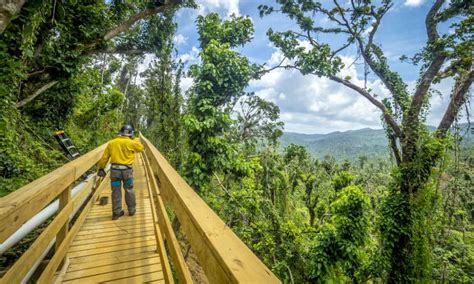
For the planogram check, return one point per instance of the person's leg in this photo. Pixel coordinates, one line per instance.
(116, 180)
(129, 192)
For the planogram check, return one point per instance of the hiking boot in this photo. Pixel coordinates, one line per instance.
(132, 212)
(115, 217)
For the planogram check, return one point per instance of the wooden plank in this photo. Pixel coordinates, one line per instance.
(64, 199)
(101, 250)
(85, 191)
(75, 266)
(118, 242)
(154, 277)
(168, 274)
(105, 240)
(99, 235)
(19, 206)
(111, 268)
(183, 273)
(123, 252)
(21, 267)
(103, 221)
(106, 213)
(97, 218)
(114, 255)
(223, 256)
(125, 221)
(59, 277)
(124, 229)
(61, 250)
(118, 275)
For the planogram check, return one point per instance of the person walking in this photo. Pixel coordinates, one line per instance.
(121, 152)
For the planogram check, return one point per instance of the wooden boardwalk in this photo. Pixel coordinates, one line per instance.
(87, 246)
(121, 251)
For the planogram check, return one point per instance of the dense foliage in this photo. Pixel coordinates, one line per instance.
(309, 218)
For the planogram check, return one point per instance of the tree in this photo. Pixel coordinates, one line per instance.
(44, 46)
(220, 81)
(417, 151)
(258, 121)
(164, 102)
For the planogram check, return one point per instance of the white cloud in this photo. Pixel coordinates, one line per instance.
(179, 39)
(414, 3)
(229, 6)
(185, 84)
(190, 57)
(310, 104)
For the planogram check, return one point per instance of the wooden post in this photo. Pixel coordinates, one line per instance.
(64, 199)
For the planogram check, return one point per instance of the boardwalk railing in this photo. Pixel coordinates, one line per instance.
(20, 206)
(222, 255)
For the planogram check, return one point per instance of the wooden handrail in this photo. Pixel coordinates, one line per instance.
(19, 206)
(222, 255)
(181, 268)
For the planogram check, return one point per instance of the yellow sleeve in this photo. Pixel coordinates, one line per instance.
(137, 146)
(105, 158)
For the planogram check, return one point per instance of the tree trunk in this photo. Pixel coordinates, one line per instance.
(312, 216)
(8, 9)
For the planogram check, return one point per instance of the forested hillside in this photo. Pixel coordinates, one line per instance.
(353, 144)
(390, 206)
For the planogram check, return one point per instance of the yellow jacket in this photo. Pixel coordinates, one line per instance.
(120, 150)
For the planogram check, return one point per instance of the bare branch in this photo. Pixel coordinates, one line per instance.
(38, 92)
(459, 97)
(395, 150)
(433, 68)
(334, 53)
(376, 24)
(388, 118)
(132, 20)
(135, 18)
(271, 69)
(431, 22)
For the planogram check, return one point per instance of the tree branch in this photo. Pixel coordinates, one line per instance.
(431, 22)
(135, 18)
(137, 51)
(433, 68)
(388, 118)
(38, 92)
(366, 50)
(130, 21)
(459, 97)
(395, 150)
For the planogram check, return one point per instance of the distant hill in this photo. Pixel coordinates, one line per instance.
(351, 144)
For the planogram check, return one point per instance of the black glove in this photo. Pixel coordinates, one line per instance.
(101, 173)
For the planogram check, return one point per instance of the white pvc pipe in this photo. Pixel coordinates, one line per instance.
(37, 263)
(41, 217)
(55, 206)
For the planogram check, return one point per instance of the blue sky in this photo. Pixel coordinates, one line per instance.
(316, 105)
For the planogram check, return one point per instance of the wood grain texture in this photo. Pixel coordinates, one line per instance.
(223, 256)
(19, 206)
(182, 270)
(117, 251)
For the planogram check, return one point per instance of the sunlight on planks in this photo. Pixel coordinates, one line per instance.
(121, 251)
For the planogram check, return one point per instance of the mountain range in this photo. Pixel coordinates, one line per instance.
(351, 144)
